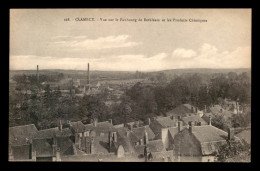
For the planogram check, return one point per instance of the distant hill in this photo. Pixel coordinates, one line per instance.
(125, 74)
(205, 70)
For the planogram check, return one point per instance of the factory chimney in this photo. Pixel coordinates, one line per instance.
(88, 80)
(37, 74)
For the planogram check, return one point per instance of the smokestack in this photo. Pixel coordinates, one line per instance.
(88, 80)
(37, 74)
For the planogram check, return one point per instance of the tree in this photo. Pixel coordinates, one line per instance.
(234, 151)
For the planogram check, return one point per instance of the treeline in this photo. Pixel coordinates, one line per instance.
(141, 102)
(138, 103)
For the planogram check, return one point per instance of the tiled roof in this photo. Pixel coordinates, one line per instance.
(166, 122)
(162, 155)
(180, 110)
(21, 152)
(42, 147)
(101, 127)
(49, 133)
(65, 145)
(154, 146)
(208, 133)
(77, 126)
(206, 116)
(18, 134)
(246, 135)
(174, 131)
(194, 118)
(139, 132)
(124, 140)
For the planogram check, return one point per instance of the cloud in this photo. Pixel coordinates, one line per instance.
(183, 53)
(82, 43)
(207, 56)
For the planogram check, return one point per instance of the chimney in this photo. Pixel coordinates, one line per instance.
(146, 139)
(109, 141)
(131, 127)
(127, 133)
(88, 79)
(192, 110)
(179, 118)
(191, 125)
(179, 125)
(149, 121)
(231, 132)
(141, 141)
(205, 109)
(60, 126)
(95, 122)
(209, 120)
(37, 74)
(68, 122)
(92, 145)
(114, 137)
(110, 121)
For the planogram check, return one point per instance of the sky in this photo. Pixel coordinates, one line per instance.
(43, 37)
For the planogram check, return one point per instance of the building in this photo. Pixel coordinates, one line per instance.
(200, 143)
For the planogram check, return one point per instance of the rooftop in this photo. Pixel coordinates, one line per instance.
(18, 134)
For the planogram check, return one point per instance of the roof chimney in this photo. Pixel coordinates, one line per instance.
(60, 126)
(191, 125)
(209, 120)
(149, 121)
(95, 122)
(111, 121)
(146, 139)
(179, 118)
(179, 125)
(127, 133)
(205, 109)
(131, 127)
(231, 132)
(114, 137)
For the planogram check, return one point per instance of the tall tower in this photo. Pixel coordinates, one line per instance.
(88, 79)
(37, 74)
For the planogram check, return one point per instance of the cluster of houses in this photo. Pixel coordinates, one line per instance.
(177, 137)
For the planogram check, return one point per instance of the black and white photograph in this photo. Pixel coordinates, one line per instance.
(130, 85)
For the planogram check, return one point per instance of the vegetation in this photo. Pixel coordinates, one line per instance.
(138, 103)
(234, 151)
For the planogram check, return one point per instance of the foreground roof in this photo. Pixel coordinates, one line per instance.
(18, 134)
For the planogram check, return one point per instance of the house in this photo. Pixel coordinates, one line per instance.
(20, 138)
(182, 110)
(162, 122)
(245, 135)
(196, 119)
(20, 135)
(200, 143)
